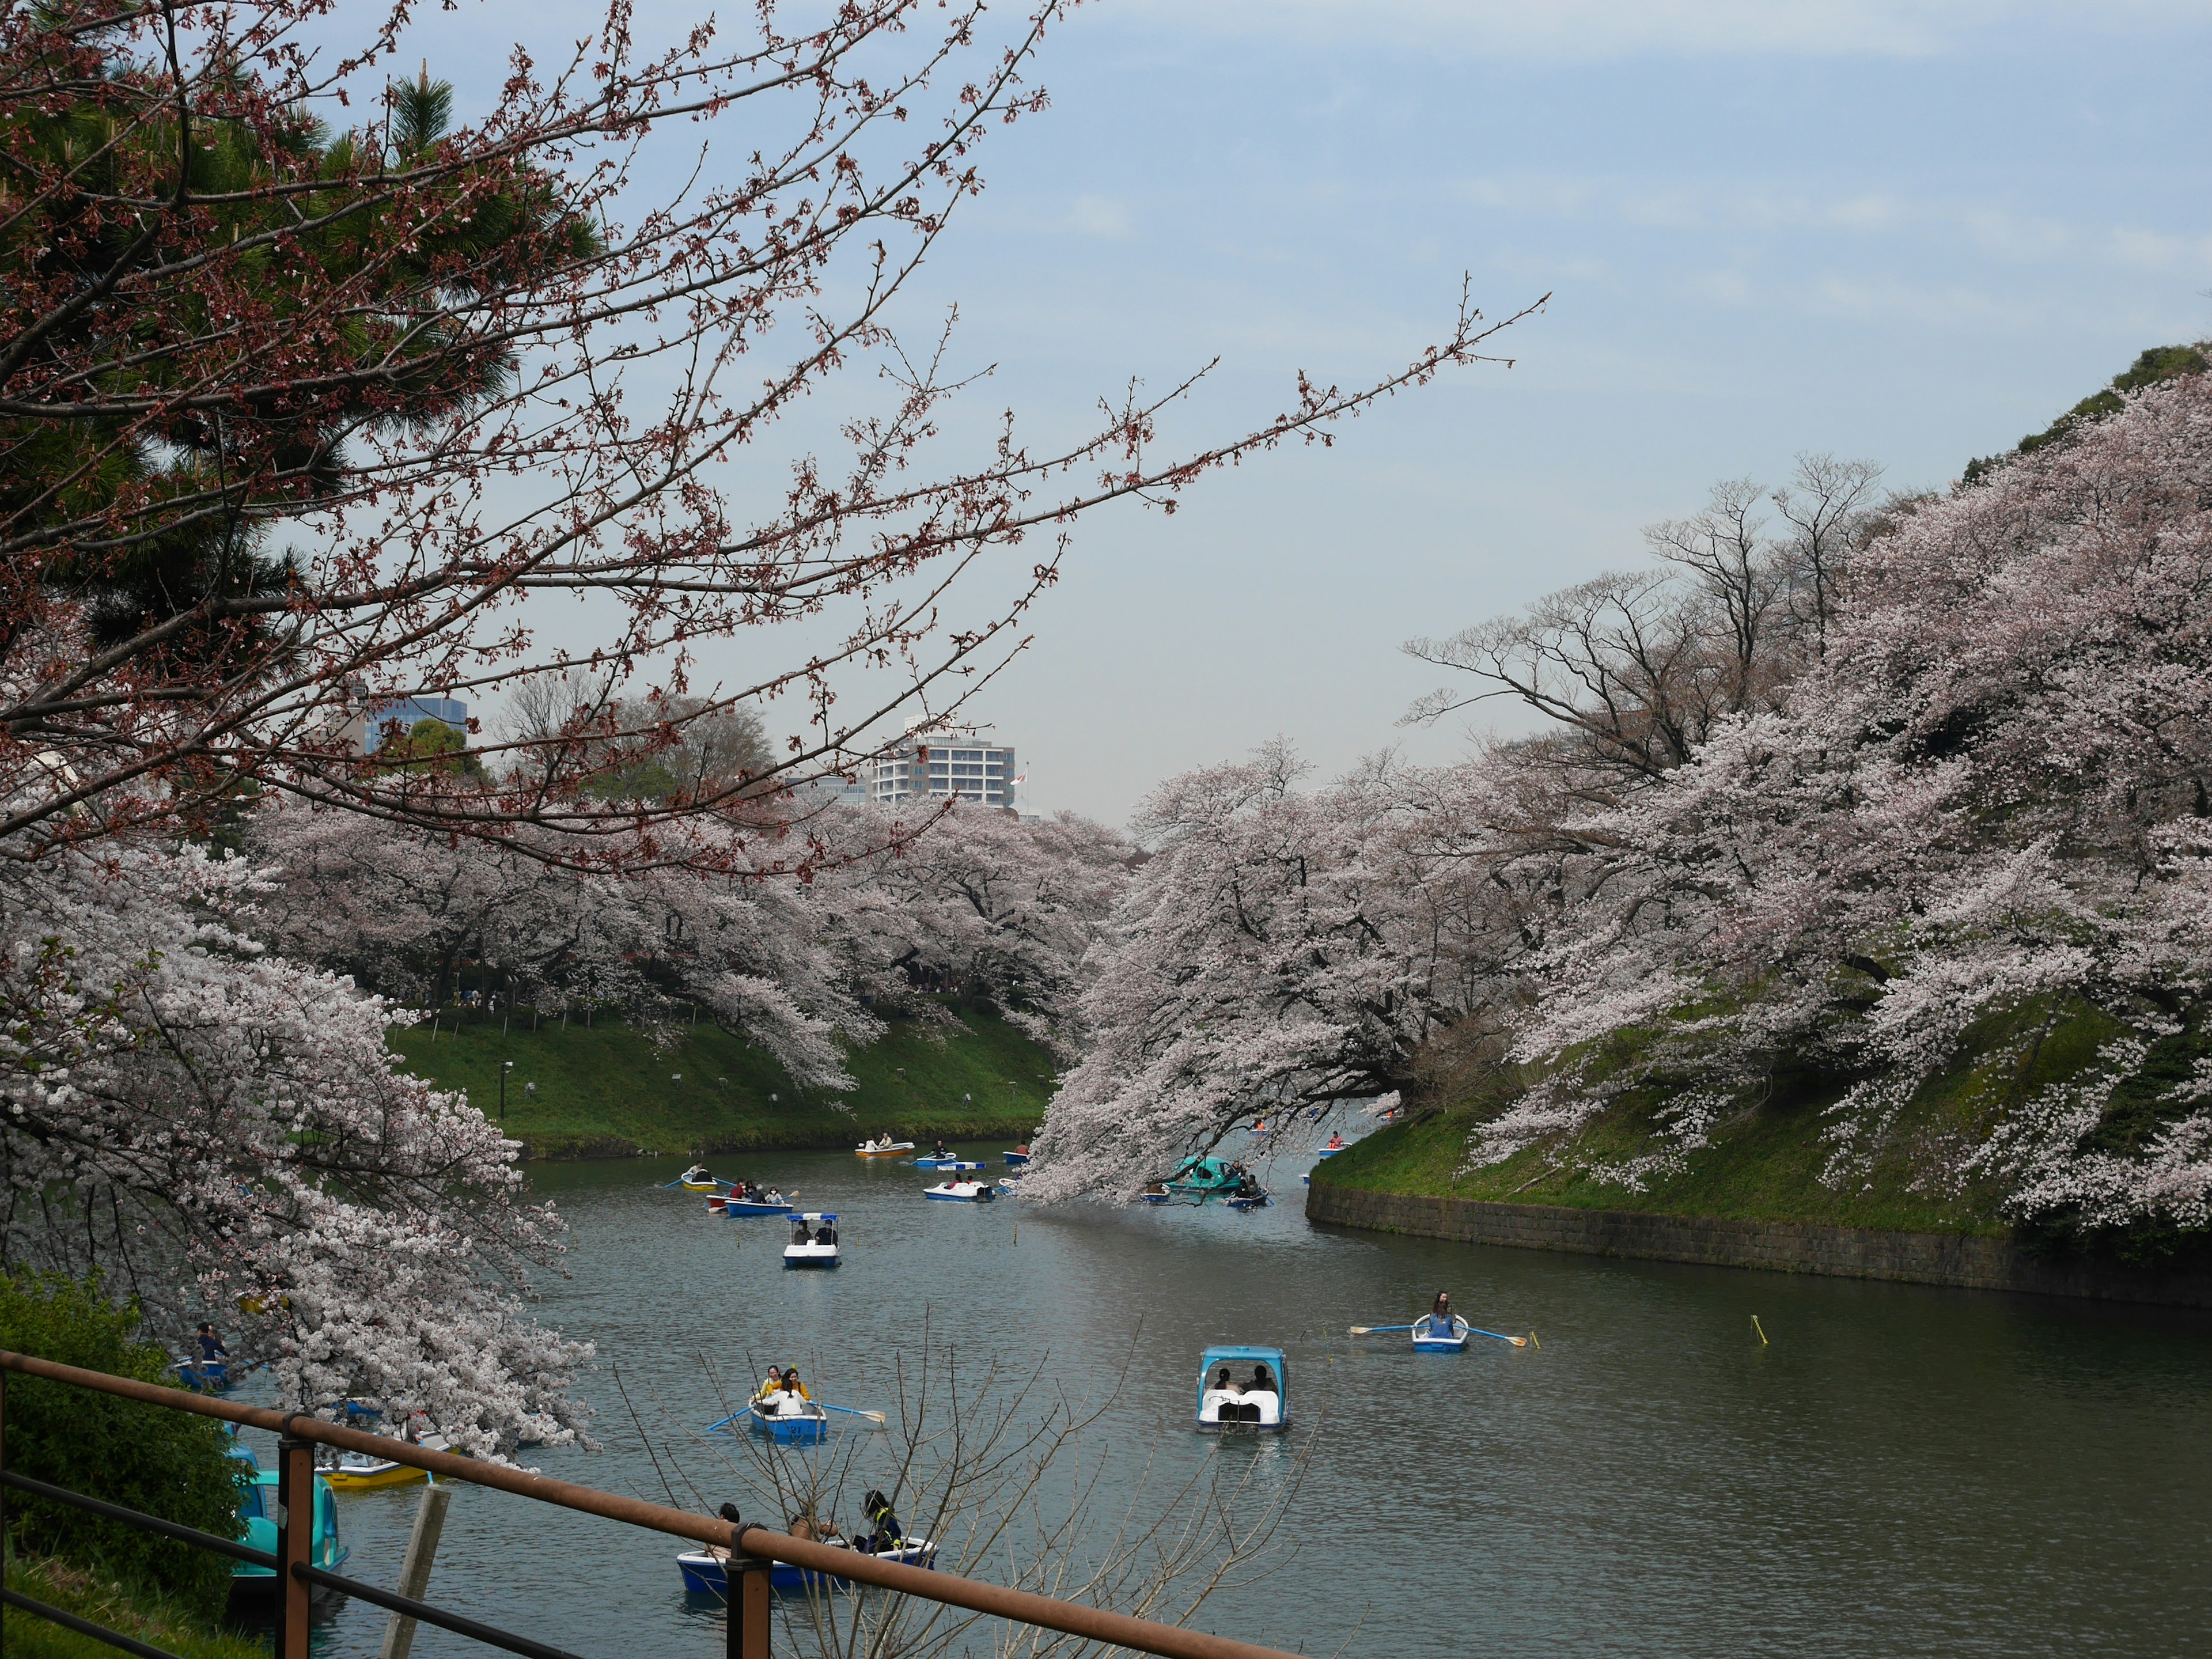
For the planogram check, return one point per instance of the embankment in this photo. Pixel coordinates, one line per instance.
(1752, 1199)
(605, 1090)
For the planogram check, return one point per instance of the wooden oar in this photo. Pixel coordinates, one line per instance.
(875, 1418)
(1370, 1330)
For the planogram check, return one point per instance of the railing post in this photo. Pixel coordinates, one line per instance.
(747, 1586)
(296, 1532)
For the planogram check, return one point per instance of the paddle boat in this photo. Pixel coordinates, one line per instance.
(696, 1180)
(815, 1247)
(928, 1162)
(963, 1192)
(1256, 1395)
(1018, 1158)
(706, 1571)
(787, 1419)
(882, 1148)
(257, 1508)
(354, 1471)
(1200, 1177)
(204, 1373)
(1448, 1336)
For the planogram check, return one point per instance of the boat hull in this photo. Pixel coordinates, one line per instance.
(705, 1573)
(204, 1373)
(981, 1194)
(891, 1150)
(929, 1163)
(1424, 1342)
(810, 1255)
(384, 1474)
(750, 1207)
(789, 1428)
(1016, 1160)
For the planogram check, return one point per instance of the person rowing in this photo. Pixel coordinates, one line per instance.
(1440, 1314)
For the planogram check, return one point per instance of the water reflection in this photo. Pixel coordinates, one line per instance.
(1905, 1471)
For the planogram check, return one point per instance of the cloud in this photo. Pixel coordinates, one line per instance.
(1582, 29)
(1101, 217)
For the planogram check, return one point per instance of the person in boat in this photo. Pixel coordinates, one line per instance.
(1440, 1314)
(942, 1150)
(1263, 1380)
(1336, 1143)
(212, 1351)
(798, 1233)
(770, 1384)
(792, 1383)
(826, 1234)
(884, 1532)
(1226, 1383)
(697, 1172)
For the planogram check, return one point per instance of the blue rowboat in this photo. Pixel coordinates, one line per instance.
(740, 1206)
(1017, 1158)
(1428, 1338)
(204, 1373)
(1251, 1201)
(706, 1572)
(788, 1420)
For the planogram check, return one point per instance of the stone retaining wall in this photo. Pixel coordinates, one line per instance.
(1987, 1264)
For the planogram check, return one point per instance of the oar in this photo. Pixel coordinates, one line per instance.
(875, 1418)
(1518, 1341)
(724, 1423)
(1370, 1330)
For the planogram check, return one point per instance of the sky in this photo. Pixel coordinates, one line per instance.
(1906, 232)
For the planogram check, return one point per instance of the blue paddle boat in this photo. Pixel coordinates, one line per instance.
(1431, 1335)
(706, 1571)
(929, 1162)
(1243, 1388)
(814, 1247)
(257, 1508)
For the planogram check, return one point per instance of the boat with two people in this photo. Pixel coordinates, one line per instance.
(1200, 1178)
(883, 1148)
(1230, 1396)
(782, 1412)
(813, 1241)
(706, 1571)
(697, 1180)
(745, 1199)
(963, 1192)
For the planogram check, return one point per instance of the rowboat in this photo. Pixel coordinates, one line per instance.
(204, 1373)
(928, 1162)
(814, 1248)
(779, 1205)
(696, 1180)
(1259, 1399)
(963, 1192)
(706, 1572)
(1244, 1201)
(1017, 1158)
(1429, 1339)
(1155, 1193)
(882, 1148)
(787, 1419)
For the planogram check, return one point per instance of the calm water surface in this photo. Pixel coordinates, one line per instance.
(1905, 1471)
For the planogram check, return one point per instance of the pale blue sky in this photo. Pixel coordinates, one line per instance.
(1905, 232)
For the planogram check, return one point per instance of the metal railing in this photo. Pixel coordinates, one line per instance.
(754, 1549)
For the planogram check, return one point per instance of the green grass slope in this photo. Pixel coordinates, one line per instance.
(605, 1091)
(137, 1613)
(1766, 1162)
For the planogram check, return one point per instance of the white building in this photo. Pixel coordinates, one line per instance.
(942, 760)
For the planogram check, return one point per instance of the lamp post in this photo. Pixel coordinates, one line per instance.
(505, 1066)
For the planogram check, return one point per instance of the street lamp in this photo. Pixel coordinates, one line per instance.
(505, 1066)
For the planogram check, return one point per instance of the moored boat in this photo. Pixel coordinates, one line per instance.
(1230, 1398)
(814, 1247)
(1429, 1337)
(256, 1510)
(882, 1148)
(963, 1192)
(706, 1571)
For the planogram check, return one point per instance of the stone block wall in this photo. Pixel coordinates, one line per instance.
(1977, 1263)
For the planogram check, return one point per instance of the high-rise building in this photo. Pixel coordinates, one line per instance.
(945, 761)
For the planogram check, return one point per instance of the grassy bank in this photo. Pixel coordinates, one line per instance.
(604, 1091)
(1765, 1162)
(89, 1596)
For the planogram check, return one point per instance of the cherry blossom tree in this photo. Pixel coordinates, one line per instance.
(223, 1133)
(1989, 797)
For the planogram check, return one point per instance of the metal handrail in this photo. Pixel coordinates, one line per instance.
(744, 1539)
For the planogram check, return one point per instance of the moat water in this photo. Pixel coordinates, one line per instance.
(1898, 1471)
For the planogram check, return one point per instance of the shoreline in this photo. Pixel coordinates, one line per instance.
(1963, 1261)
